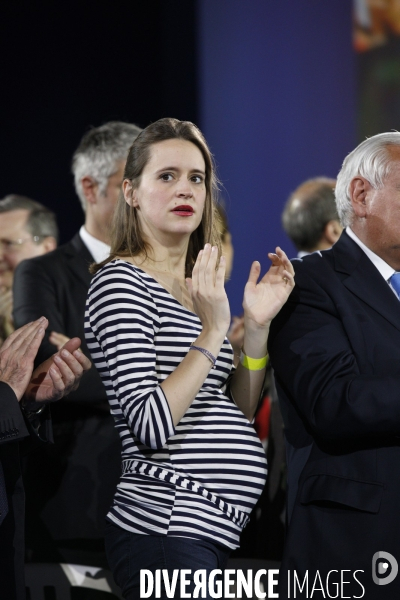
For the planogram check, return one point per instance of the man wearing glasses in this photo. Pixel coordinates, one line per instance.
(27, 229)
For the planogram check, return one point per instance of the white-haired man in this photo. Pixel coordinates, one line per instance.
(84, 462)
(335, 349)
(27, 229)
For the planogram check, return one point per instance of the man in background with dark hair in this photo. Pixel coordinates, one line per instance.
(27, 229)
(78, 475)
(310, 217)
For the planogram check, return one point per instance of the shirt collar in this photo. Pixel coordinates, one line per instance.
(98, 249)
(384, 269)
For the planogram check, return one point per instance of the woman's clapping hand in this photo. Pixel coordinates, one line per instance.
(263, 300)
(207, 290)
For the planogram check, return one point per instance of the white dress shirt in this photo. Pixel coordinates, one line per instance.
(98, 249)
(384, 269)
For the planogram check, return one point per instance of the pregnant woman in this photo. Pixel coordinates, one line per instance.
(156, 324)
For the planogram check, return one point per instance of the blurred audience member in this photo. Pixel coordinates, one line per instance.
(310, 217)
(27, 229)
(70, 486)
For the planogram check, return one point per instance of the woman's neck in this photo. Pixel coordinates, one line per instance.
(164, 259)
(168, 268)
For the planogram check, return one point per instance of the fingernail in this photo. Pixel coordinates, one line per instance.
(77, 352)
(64, 353)
(57, 359)
(213, 249)
(201, 252)
(206, 247)
(42, 319)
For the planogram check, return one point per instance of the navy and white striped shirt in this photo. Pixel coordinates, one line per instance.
(200, 479)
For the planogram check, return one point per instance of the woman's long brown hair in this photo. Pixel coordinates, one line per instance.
(126, 233)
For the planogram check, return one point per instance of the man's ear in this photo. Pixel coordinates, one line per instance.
(49, 243)
(129, 192)
(332, 231)
(89, 188)
(358, 190)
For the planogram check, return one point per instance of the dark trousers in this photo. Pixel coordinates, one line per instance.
(128, 553)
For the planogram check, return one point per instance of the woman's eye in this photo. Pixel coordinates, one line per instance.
(197, 179)
(166, 176)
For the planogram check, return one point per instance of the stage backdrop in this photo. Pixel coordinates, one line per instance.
(277, 105)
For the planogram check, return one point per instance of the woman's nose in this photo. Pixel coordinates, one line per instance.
(184, 188)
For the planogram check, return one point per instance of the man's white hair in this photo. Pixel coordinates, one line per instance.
(99, 152)
(373, 161)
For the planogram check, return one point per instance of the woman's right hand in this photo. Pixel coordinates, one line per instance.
(207, 290)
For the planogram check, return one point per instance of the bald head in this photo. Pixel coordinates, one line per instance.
(310, 217)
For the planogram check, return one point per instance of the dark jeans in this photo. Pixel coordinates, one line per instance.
(128, 553)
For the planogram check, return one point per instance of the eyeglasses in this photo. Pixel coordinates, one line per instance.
(14, 245)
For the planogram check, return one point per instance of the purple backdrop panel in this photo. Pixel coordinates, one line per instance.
(277, 106)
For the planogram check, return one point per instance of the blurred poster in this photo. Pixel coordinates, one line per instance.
(377, 43)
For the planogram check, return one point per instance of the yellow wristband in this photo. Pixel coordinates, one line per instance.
(253, 364)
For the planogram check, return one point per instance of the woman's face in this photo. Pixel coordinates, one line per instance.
(171, 195)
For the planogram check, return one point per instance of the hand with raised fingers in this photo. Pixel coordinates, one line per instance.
(207, 290)
(263, 299)
(58, 339)
(58, 375)
(18, 353)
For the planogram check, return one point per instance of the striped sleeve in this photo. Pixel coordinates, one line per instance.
(123, 319)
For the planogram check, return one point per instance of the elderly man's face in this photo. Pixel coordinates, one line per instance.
(381, 223)
(16, 243)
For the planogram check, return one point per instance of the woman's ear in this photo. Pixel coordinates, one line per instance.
(129, 193)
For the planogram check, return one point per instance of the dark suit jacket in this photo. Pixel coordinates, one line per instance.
(335, 349)
(69, 486)
(55, 285)
(12, 430)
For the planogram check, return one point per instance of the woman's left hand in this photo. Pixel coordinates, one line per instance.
(263, 300)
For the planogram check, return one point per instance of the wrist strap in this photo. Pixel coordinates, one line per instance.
(253, 364)
(206, 353)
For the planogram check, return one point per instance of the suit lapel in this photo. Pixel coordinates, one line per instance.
(79, 259)
(364, 280)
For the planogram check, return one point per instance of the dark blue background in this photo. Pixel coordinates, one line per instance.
(271, 83)
(277, 105)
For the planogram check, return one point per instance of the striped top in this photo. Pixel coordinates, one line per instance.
(200, 479)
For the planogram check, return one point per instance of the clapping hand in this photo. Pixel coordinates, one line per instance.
(58, 375)
(207, 290)
(263, 300)
(17, 355)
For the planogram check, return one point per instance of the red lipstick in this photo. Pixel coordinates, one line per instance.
(183, 210)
